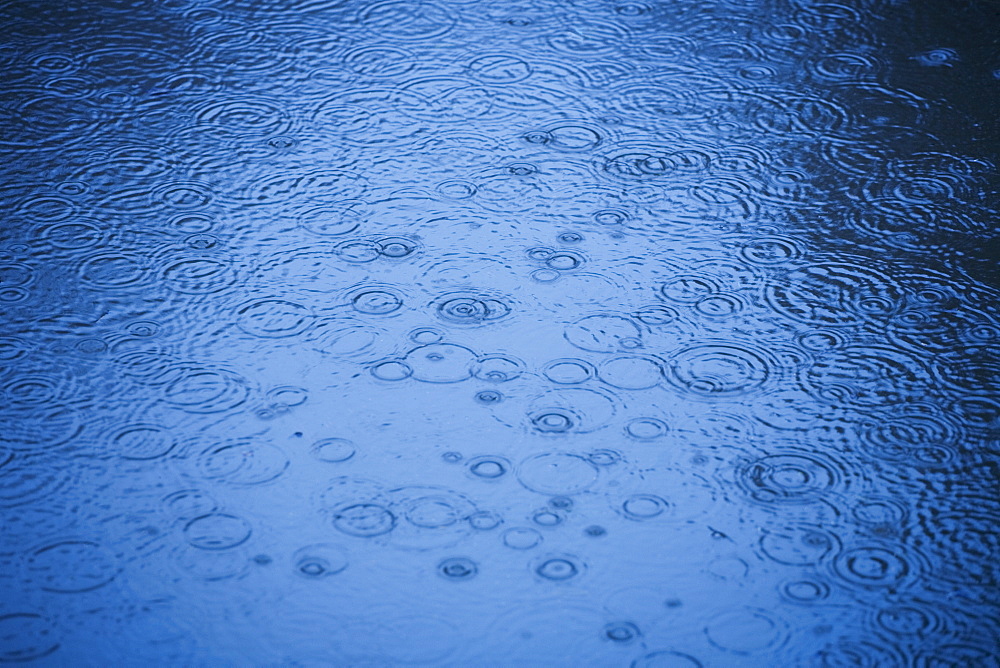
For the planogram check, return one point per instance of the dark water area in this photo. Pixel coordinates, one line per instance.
(499, 333)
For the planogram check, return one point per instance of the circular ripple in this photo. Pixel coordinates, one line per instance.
(666, 659)
(471, 310)
(217, 531)
(913, 618)
(75, 235)
(440, 363)
(333, 220)
(558, 568)
(547, 518)
(319, 561)
(364, 520)
(484, 520)
(113, 269)
(875, 566)
(646, 429)
(457, 569)
(911, 437)
(521, 538)
(28, 482)
(406, 22)
(688, 289)
(334, 450)
(835, 294)
(187, 504)
(39, 429)
(557, 473)
(805, 591)
(143, 441)
(429, 517)
(499, 69)
(274, 318)
(207, 391)
(199, 275)
(871, 375)
(71, 566)
(719, 370)
(631, 372)
(376, 302)
(568, 371)
(745, 631)
(245, 116)
(26, 636)
(963, 545)
(488, 467)
(290, 186)
(570, 410)
(790, 478)
(498, 368)
(391, 370)
(798, 545)
(604, 333)
(643, 507)
(243, 463)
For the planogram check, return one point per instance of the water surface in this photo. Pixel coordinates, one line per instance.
(499, 333)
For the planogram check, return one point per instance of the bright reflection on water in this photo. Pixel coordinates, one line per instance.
(499, 333)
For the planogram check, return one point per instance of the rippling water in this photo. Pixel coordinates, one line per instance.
(499, 333)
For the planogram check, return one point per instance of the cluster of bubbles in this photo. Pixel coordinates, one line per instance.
(663, 327)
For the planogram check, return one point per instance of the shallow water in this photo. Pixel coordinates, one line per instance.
(499, 333)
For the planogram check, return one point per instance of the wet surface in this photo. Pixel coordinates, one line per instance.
(499, 333)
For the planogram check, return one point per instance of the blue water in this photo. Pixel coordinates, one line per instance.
(499, 333)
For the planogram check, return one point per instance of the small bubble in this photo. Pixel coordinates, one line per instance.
(610, 217)
(558, 569)
(563, 261)
(604, 457)
(489, 468)
(391, 370)
(201, 241)
(498, 369)
(521, 538)
(364, 520)
(334, 450)
(570, 237)
(646, 429)
(484, 520)
(320, 561)
(595, 531)
(643, 506)
(552, 423)
(426, 336)
(397, 247)
(805, 591)
(630, 343)
(621, 632)
(537, 137)
(940, 57)
(489, 397)
(452, 457)
(545, 275)
(262, 559)
(143, 328)
(458, 568)
(546, 518)
(522, 169)
(561, 502)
